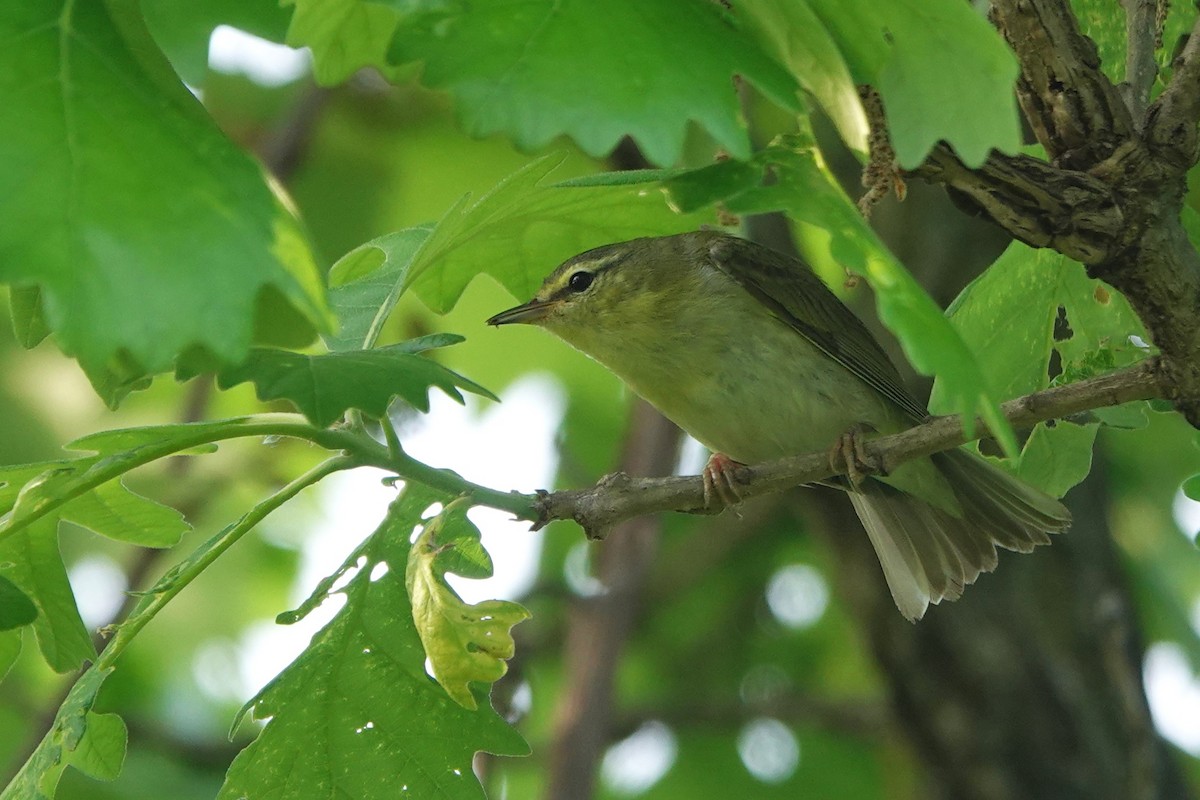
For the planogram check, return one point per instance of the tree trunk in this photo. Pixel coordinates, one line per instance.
(1031, 685)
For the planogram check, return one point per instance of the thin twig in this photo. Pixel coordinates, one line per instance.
(620, 497)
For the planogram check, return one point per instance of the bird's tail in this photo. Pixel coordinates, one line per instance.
(929, 555)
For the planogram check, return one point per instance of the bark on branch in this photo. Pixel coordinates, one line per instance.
(1111, 195)
(620, 497)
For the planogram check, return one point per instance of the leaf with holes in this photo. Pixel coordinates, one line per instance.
(356, 715)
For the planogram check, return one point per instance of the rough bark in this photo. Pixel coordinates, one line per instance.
(1111, 194)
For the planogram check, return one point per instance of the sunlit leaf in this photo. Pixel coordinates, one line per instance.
(524, 227)
(465, 642)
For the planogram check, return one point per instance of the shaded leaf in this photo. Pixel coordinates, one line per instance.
(1008, 316)
(540, 69)
(323, 387)
(367, 282)
(1056, 459)
(10, 648)
(16, 610)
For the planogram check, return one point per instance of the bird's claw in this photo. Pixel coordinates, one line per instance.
(849, 455)
(722, 478)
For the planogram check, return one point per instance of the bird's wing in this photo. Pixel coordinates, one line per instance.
(790, 289)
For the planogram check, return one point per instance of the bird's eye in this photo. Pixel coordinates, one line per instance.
(580, 281)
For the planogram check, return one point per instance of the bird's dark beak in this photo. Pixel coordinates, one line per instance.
(530, 312)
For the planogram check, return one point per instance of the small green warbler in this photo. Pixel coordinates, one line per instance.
(749, 352)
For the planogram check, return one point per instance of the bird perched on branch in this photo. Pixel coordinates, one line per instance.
(749, 352)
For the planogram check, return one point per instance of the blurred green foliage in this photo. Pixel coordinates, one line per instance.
(391, 186)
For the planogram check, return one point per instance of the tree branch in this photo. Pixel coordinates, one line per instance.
(619, 497)
(1068, 210)
(1075, 111)
(1171, 120)
(1140, 66)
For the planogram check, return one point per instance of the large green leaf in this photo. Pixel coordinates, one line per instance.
(324, 387)
(356, 715)
(148, 232)
(944, 73)
(1007, 315)
(1027, 305)
(596, 72)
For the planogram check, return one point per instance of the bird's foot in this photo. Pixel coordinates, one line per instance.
(722, 478)
(849, 455)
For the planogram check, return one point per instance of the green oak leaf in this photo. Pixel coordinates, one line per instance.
(91, 742)
(356, 715)
(593, 71)
(323, 387)
(145, 231)
(367, 282)
(943, 71)
(1056, 458)
(465, 642)
(524, 227)
(1008, 316)
(31, 561)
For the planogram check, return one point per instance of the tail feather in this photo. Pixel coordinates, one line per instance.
(929, 555)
